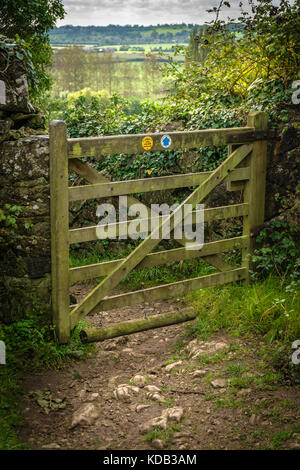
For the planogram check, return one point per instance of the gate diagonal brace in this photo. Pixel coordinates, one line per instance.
(93, 176)
(154, 238)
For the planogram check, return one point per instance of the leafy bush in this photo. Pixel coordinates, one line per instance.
(279, 252)
(31, 344)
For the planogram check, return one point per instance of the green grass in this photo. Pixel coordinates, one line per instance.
(264, 309)
(280, 437)
(9, 409)
(165, 435)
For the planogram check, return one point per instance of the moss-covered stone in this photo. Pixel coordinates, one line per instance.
(20, 295)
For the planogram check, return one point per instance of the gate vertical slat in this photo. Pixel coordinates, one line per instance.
(255, 187)
(59, 212)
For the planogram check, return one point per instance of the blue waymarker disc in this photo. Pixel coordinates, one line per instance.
(165, 141)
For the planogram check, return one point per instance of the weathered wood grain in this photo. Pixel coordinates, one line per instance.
(118, 188)
(92, 271)
(255, 188)
(134, 326)
(59, 213)
(98, 147)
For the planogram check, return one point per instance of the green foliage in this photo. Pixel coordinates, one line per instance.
(165, 435)
(27, 22)
(88, 113)
(9, 410)
(144, 165)
(197, 50)
(280, 437)
(8, 223)
(30, 18)
(278, 253)
(17, 48)
(252, 64)
(32, 344)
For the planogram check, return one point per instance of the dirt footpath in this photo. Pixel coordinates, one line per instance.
(160, 389)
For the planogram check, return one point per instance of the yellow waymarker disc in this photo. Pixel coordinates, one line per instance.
(147, 143)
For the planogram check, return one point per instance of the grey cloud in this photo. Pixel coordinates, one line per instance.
(102, 12)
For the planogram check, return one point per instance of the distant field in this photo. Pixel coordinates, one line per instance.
(147, 47)
(132, 54)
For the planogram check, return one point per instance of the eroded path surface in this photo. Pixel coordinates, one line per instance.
(160, 389)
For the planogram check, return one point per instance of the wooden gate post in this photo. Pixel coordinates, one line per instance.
(59, 211)
(255, 188)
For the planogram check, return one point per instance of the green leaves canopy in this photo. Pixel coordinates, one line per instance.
(28, 22)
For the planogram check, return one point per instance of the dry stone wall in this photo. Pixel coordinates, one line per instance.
(25, 263)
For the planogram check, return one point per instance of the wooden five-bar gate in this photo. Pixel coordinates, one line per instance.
(245, 168)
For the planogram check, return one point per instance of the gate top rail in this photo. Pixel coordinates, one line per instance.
(98, 147)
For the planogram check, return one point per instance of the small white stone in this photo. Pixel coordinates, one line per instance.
(94, 396)
(139, 408)
(139, 380)
(174, 414)
(152, 388)
(53, 445)
(169, 367)
(199, 373)
(252, 419)
(218, 383)
(85, 414)
(154, 396)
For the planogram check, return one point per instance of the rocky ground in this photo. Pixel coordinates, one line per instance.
(162, 389)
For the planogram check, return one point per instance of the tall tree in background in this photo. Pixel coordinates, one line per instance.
(28, 22)
(197, 50)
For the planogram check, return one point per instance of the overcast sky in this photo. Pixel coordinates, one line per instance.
(146, 12)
